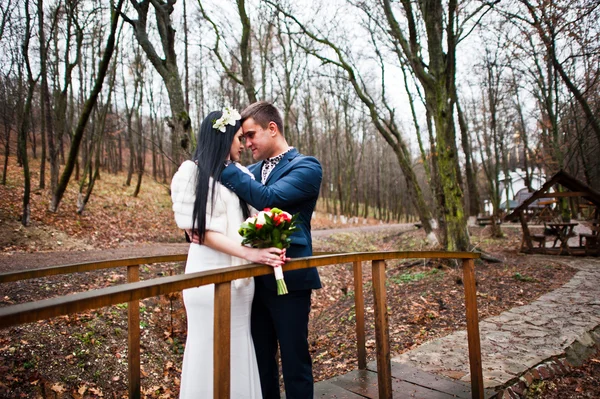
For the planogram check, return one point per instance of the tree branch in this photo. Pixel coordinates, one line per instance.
(215, 49)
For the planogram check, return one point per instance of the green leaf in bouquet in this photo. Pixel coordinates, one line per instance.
(276, 237)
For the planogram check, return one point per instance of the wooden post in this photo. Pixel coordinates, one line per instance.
(222, 341)
(359, 308)
(382, 334)
(473, 329)
(133, 332)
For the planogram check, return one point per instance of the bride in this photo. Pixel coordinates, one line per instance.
(211, 214)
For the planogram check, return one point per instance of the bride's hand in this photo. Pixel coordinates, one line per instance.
(267, 256)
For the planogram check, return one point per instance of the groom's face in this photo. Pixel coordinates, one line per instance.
(259, 140)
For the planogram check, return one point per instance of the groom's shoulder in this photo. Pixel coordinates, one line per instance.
(308, 163)
(307, 158)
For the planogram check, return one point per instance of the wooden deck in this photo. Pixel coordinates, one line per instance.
(407, 382)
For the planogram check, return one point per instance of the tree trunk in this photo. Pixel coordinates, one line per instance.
(46, 130)
(24, 127)
(58, 122)
(246, 52)
(524, 136)
(437, 77)
(26, 210)
(7, 128)
(470, 173)
(95, 150)
(140, 147)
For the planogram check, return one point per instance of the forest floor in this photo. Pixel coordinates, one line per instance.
(85, 355)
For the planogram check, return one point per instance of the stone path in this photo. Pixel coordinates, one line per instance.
(514, 342)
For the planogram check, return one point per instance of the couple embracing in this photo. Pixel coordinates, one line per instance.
(212, 195)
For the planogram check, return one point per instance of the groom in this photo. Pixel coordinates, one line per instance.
(288, 180)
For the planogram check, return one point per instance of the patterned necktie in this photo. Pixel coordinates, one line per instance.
(268, 166)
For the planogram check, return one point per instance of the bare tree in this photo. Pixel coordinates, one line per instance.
(182, 135)
(87, 108)
(25, 120)
(61, 117)
(92, 166)
(382, 117)
(246, 80)
(47, 122)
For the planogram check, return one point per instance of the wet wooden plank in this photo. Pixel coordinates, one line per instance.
(434, 382)
(326, 389)
(361, 382)
(403, 389)
(364, 384)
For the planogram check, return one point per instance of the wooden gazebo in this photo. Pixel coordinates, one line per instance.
(560, 231)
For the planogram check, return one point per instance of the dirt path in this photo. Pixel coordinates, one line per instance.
(400, 227)
(33, 260)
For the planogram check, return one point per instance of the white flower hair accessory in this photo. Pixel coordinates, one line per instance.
(230, 117)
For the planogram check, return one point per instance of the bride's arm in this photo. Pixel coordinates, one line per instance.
(222, 243)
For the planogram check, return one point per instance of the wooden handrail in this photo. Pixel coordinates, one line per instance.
(44, 309)
(134, 291)
(97, 265)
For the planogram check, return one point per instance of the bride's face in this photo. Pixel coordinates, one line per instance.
(237, 146)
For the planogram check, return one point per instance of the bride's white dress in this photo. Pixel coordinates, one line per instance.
(197, 369)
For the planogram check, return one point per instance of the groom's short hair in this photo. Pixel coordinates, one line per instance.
(263, 112)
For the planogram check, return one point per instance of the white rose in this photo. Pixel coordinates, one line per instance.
(260, 219)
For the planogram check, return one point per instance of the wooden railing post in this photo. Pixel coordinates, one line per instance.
(382, 334)
(222, 341)
(473, 329)
(359, 309)
(133, 337)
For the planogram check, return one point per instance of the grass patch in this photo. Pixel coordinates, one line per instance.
(407, 278)
(521, 277)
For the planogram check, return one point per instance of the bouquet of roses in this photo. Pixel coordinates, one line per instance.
(271, 227)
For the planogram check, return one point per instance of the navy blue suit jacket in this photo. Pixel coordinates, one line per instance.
(292, 186)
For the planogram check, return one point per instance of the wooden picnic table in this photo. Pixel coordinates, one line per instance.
(563, 232)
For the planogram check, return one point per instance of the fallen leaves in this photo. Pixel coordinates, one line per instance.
(96, 391)
(58, 388)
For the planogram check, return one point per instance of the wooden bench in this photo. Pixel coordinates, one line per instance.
(592, 243)
(541, 238)
(487, 220)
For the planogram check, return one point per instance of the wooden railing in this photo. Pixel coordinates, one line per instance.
(135, 290)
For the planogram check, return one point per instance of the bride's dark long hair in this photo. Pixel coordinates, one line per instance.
(212, 149)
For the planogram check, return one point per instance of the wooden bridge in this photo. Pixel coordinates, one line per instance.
(381, 384)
